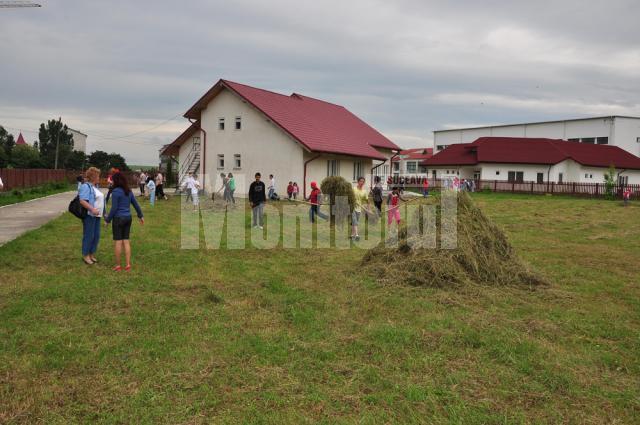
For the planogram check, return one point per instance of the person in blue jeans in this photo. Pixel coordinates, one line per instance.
(120, 214)
(90, 197)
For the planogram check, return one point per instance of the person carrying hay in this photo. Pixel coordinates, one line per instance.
(315, 205)
(393, 206)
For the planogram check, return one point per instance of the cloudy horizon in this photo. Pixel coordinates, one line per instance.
(125, 72)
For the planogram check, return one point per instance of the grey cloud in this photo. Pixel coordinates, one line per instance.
(408, 67)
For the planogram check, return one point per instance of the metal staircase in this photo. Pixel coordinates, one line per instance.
(190, 164)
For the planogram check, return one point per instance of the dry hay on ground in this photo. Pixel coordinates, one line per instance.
(483, 256)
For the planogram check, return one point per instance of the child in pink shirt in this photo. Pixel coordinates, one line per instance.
(393, 206)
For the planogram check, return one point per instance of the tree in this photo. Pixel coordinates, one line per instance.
(4, 158)
(54, 136)
(610, 183)
(7, 142)
(117, 161)
(99, 159)
(25, 156)
(76, 161)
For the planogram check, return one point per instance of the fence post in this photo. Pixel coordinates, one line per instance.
(532, 187)
(552, 185)
(597, 189)
(495, 185)
(513, 186)
(573, 189)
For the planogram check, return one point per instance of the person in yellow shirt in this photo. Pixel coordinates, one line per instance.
(361, 199)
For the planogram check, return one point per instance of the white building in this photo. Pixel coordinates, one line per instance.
(620, 131)
(534, 160)
(407, 162)
(79, 140)
(241, 129)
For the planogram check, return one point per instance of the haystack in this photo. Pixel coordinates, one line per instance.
(483, 256)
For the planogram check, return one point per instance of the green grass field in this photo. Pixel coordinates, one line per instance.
(303, 336)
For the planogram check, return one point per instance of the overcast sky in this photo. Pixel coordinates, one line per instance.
(124, 72)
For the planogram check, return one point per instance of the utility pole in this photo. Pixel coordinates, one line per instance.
(58, 143)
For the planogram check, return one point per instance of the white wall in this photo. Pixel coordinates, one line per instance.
(317, 169)
(79, 141)
(263, 146)
(626, 132)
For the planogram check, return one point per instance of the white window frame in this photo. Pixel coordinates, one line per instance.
(357, 170)
(221, 125)
(238, 123)
(237, 161)
(220, 162)
(415, 167)
(333, 167)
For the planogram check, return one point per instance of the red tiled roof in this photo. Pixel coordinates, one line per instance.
(417, 153)
(518, 150)
(20, 140)
(318, 125)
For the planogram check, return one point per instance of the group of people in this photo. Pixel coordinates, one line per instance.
(259, 193)
(228, 187)
(94, 201)
(151, 186)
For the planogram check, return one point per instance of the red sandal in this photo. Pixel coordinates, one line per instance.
(128, 267)
(117, 268)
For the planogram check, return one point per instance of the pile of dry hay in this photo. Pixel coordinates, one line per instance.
(483, 256)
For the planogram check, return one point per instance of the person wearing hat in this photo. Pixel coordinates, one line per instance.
(315, 205)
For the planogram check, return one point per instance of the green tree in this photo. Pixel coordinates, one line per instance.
(117, 161)
(99, 159)
(76, 161)
(53, 134)
(7, 142)
(4, 158)
(25, 156)
(610, 183)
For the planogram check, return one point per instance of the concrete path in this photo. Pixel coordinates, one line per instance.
(19, 218)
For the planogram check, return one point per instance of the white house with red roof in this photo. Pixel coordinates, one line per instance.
(408, 162)
(243, 130)
(518, 159)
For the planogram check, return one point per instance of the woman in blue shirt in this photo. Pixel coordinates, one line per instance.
(121, 200)
(88, 195)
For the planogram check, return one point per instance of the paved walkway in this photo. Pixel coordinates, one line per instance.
(19, 218)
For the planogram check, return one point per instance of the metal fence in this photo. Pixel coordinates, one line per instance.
(15, 178)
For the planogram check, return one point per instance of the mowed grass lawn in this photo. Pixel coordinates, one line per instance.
(304, 336)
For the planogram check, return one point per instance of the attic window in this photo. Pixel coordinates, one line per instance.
(238, 123)
(220, 123)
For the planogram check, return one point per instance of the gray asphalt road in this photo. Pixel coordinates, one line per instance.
(19, 218)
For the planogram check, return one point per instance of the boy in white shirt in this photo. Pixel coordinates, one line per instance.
(195, 186)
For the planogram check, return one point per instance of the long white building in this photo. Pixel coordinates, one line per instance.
(620, 131)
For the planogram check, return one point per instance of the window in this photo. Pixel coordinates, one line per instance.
(412, 166)
(602, 140)
(237, 162)
(220, 161)
(333, 167)
(396, 166)
(220, 123)
(423, 169)
(497, 173)
(440, 147)
(623, 180)
(540, 178)
(238, 123)
(357, 170)
(589, 140)
(515, 177)
(560, 177)
(574, 140)
(586, 176)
